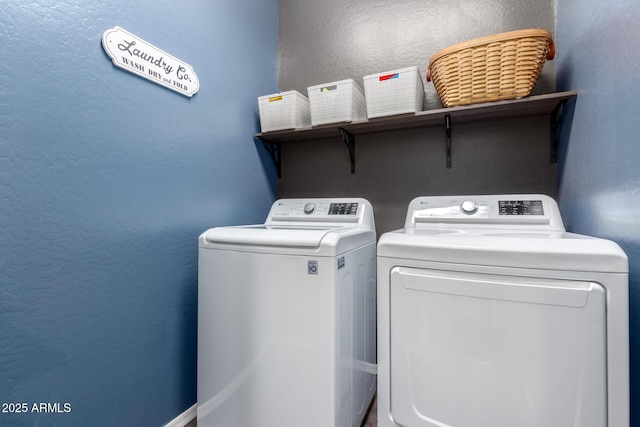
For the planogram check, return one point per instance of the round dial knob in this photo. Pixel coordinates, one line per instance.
(469, 207)
(309, 208)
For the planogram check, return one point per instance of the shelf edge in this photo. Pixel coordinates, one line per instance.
(531, 105)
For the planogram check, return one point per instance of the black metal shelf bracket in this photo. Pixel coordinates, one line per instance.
(555, 121)
(350, 142)
(447, 127)
(274, 152)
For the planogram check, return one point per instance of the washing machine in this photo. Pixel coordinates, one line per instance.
(491, 315)
(286, 317)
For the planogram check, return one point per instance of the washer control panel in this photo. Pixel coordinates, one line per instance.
(343, 208)
(332, 211)
(469, 207)
(535, 209)
(285, 208)
(309, 208)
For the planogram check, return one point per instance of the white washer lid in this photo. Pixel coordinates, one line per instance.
(259, 235)
(319, 241)
(518, 249)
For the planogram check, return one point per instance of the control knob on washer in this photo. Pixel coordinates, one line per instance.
(309, 208)
(469, 207)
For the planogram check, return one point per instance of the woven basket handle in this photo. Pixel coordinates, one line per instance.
(428, 74)
(552, 51)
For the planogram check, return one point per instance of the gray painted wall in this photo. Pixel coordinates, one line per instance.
(324, 41)
(599, 178)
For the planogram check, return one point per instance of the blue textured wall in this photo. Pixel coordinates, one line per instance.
(106, 181)
(599, 173)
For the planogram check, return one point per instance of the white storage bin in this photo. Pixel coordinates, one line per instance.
(394, 92)
(335, 102)
(285, 110)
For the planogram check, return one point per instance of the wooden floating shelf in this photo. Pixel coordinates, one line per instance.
(528, 106)
(551, 104)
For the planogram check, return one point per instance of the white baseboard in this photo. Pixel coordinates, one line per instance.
(184, 418)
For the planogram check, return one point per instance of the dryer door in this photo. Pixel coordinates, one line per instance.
(472, 350)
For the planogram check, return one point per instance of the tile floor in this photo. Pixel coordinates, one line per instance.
(370, 421)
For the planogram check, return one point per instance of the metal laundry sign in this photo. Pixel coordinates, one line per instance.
(139, 57)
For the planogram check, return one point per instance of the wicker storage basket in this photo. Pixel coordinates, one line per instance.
(492, 68)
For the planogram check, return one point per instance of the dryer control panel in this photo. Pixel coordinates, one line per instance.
(535, 210)
(521, 207)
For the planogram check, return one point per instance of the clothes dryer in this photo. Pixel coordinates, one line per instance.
(490, 314)
(286, 317)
